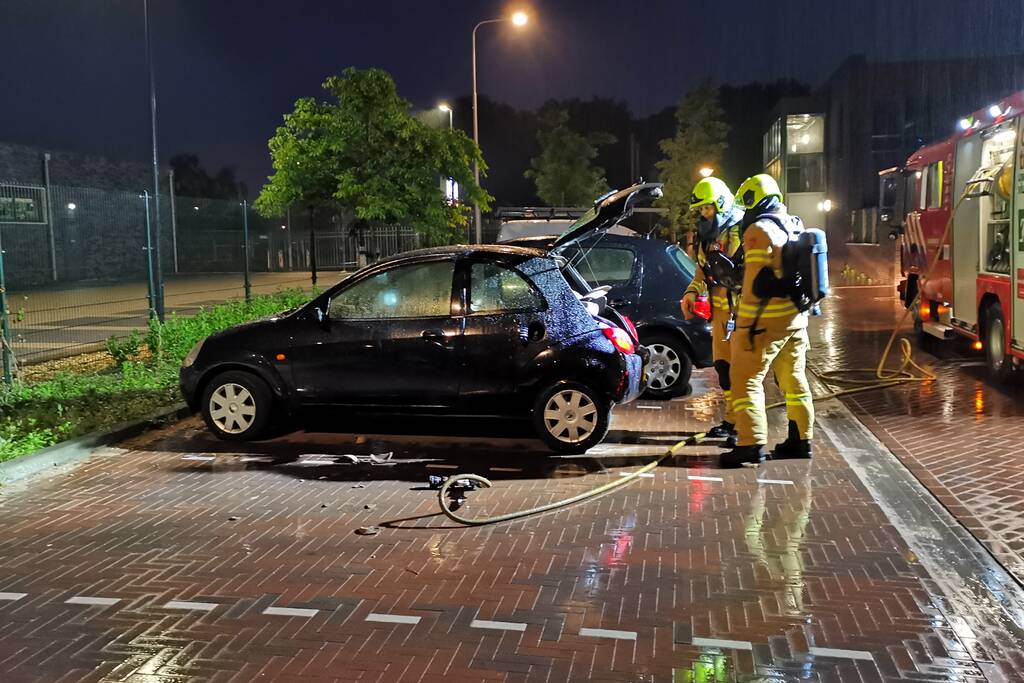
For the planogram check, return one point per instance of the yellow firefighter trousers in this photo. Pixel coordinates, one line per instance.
(721, 353)
(783, 349)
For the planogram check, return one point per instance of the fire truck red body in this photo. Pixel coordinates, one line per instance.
(977, 287)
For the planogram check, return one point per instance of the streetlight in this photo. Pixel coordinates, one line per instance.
(517, 19)
(706, 172)
(445, 109)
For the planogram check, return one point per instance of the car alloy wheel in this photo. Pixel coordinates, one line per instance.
(232, 408)
(664, 367)
(570, 416)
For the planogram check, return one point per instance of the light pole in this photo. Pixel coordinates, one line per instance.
(445, 109)
(158, 297)
(517, 19)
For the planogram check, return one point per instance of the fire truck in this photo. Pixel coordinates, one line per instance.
(977, 287)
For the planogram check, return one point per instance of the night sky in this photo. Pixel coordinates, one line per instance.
(227, 70)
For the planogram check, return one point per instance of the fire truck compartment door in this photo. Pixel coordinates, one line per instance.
(1017, 232)
(966, 233)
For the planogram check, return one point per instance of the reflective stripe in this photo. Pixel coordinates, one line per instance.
(758, 259)
(798, 399)
(771, 310)
(757, 252)
(743, 402)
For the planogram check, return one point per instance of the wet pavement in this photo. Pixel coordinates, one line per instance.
(177, 557)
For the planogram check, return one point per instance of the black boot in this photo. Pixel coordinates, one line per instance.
(722, 431)
(793, 447)
(742, 455)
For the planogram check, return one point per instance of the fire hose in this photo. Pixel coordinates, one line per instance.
(861, 379)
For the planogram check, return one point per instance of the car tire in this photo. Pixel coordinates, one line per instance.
(669, 369)
(998, 362)
(237, 406)
(570, 417)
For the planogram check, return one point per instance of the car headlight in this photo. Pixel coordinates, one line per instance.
(192, 355)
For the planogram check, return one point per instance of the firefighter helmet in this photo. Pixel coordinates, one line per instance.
(712, 191)
(756, 189)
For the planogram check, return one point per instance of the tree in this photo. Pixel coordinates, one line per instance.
(365, 152)
(564, 172)
(192, 180)
(699, 141)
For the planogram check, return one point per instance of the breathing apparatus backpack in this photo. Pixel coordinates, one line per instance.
(804, 278)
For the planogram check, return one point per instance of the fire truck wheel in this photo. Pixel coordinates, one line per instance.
(997, 360)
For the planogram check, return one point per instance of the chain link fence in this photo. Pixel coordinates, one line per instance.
(79, 265)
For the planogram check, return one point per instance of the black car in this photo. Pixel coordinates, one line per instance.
(647, 277)
(484, 330)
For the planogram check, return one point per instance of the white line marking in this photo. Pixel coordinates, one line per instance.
(775, 481)
(12, 596)
(290, 612)
(718, 642)
(498, 625)
(841, 654)
(198, 457)
(648, 407)
(442, 467)
(85, 600)
(392, 618)
(698, 478)
(184, 604)
(646, 475)
(506, 469)
(608, 633)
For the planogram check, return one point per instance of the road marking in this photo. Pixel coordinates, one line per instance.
(648, 407)
(608, 633)
(199, 606)
(775, 481)
(727, 644)
(841, 654)
(498, 625)
(85, 600)
(12, 596)
(442, 467)
(392, 618)
(290, 612)
(198, 457)
(646, 475)
(506, 469)
(699, 478)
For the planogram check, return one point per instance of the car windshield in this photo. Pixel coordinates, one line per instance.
(683, 262)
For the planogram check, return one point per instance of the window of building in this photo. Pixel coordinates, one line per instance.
(805, 173)
(22, 204)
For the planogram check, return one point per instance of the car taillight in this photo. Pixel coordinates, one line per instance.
(619, 338)
(630, 326)
(702, 307)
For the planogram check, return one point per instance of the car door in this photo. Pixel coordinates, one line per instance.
(388, 340)
(504, 329)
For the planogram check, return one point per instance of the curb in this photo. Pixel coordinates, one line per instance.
(81, 447)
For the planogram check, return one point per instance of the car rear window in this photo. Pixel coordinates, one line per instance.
(603, 265)
(682, 261)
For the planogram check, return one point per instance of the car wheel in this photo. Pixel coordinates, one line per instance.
(669, 369)
(570, 417)
(237, 406)
(997, 361)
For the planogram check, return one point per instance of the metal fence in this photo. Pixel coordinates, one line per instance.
(76, 263)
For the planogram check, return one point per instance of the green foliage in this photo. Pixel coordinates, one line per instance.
(699, 141)
(564, 172)
(364, 151)
(123, 349)
(33, 416)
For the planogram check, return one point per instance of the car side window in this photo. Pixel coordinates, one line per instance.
(416, 291)
(604, 265)
(493, 288)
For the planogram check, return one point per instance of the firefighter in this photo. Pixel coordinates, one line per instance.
(771, 333)
(718, 228)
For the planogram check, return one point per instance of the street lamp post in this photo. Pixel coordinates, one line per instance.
(517, 19)
(445, 109)
(158, 297)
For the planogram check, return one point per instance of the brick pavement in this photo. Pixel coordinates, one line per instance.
(962, 437)
(788, 572)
